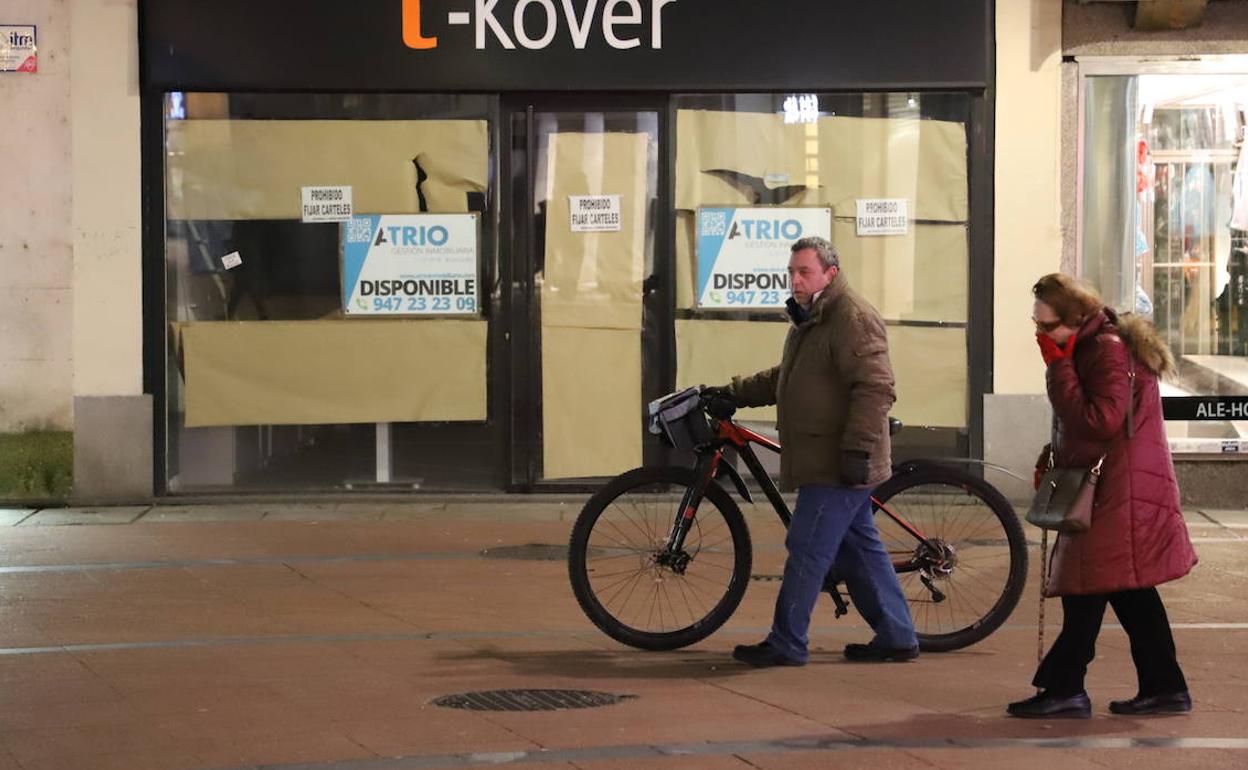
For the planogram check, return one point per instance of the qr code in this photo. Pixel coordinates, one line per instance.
(360, 230)
(714, 222)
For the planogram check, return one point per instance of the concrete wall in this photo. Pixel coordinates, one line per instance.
(107, 221)
(36, 258)
(1028, 209)
(1028, 228)
(1105, 29)
(113, 425)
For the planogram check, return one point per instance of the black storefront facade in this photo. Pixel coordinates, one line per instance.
(272, 372)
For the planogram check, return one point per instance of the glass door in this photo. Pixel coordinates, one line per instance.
(585, 202)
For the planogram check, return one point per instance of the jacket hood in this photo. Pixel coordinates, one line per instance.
(1144, 342)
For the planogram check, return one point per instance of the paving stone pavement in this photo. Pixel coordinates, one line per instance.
(317, 636)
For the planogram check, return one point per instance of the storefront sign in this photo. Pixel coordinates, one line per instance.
(743, 253)
(536, 24)
(327, 204)
(595, 213)
(588, 45)
(1205, 407)
(410, 264)
(882, 216)
(17, 49)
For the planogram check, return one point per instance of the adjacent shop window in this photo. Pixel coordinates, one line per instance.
(1164, 227)
(328, 264)
(883, 175)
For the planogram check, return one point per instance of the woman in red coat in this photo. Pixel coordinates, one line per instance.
(1097, 363)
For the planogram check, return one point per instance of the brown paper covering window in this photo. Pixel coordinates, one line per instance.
(844, 157)
(929, 365)
(591, 308)
(327, 372)
(254, 169)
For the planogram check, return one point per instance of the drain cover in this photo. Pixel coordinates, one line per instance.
(528, 700)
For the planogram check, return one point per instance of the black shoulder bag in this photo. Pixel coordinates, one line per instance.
(1063, 502)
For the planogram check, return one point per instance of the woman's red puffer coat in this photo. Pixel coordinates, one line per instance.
(1138, 538)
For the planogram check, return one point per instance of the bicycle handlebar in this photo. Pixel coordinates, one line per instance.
(719, 404)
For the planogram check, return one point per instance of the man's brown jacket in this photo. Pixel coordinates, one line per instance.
(833, 389)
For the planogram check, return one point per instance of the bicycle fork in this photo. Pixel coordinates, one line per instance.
(673, 554)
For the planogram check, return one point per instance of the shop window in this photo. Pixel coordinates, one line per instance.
(1164, 227)
(900, 157)
(272, 383)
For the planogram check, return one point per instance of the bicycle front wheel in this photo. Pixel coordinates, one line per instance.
(632, 587)
(959, 550)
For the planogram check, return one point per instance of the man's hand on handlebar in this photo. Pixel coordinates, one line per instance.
(720, 401)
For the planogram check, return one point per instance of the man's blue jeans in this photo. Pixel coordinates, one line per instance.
(835, 526)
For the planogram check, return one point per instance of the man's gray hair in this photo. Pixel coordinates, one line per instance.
(823, 249)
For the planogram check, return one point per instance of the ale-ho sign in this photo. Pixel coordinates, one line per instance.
(536, 24)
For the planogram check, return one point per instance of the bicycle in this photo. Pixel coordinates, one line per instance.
(633, 534)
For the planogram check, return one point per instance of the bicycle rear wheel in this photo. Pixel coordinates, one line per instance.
(974, 553)
(617, 552)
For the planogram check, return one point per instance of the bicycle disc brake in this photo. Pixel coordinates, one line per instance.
(677, 562)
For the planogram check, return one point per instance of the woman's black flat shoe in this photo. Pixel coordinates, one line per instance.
(1046, 706)
(1173, 703)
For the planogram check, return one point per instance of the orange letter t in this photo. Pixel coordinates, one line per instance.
(411, 27)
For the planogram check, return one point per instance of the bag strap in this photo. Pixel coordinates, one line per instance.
(1130, 421)
(1130, 393)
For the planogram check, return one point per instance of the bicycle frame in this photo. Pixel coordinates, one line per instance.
(710, 463)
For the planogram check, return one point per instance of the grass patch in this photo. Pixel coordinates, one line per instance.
(36, 465)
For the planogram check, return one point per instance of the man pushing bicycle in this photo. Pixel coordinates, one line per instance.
(833, 390)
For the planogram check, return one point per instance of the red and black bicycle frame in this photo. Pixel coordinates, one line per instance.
(711, 465)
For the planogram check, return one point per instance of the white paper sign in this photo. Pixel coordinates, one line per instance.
(327, 204)
(18, 52)
(882, 216)
(595, 213)
(743, 253)
(232, 260)
(410, 264)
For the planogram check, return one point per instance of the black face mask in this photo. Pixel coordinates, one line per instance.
(798, 314)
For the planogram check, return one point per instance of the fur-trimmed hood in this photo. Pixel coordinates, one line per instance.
(1144, 341)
